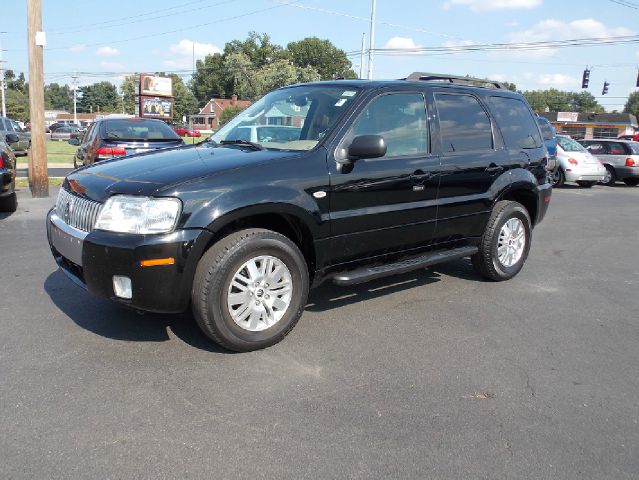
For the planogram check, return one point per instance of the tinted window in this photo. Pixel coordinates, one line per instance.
(137, 129)
(597, 148)
(463, 123)
(398, 117)
(516, 123)
(616, 148)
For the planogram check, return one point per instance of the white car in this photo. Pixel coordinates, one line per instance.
(576, 164)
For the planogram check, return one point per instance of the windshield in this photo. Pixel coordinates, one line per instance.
(569, 145)
(294, 118)
(136, 129)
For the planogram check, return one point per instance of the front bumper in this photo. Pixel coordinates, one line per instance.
(92, 259)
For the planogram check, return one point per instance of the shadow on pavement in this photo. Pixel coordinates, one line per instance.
(109, 320)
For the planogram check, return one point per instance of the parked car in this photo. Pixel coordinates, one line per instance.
(59, 124)
(117, 137)
(634, 137)
(24, 138)
(384, 177)
(550, 140)
(8, 197)
(576, 164)
(66, 133)
(186, 131)
(620, 157)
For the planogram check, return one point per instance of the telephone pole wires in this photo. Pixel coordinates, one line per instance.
(36, 40)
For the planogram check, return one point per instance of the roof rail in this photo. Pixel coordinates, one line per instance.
(424, 76)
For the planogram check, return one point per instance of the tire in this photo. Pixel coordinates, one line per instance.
(75, 163)
(220, 272)
(585, 184)
(631, 182)
(611, 178)
(9, 204)
(487, 261)
(558, 178)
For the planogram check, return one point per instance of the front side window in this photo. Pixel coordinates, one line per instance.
(516, 123)
(463, 123)
(294, 118)
(400, 118)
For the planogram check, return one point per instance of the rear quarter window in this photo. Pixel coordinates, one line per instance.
(516, 122)
(464, 125)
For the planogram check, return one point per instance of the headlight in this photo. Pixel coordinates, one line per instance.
(129, 214)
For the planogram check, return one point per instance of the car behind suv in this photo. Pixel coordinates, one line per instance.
(8, 126)
(383, 177)
(8, 197)
(620, 157)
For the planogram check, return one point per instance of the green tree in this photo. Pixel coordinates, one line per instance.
(584, 102)
(328, 60)
(229, 112)
(632, 104)
(99, 97)
(58, 97)
(184, 103)
(17, 105)
(209, 79)
(560, 101)
(258, 48)
(127, 89)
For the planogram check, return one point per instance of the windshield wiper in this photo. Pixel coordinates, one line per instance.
(254, 145)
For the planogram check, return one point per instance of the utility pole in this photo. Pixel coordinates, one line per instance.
(75, 102)
(371, 44)
(2, 82)
(36, 41)
(361, 57)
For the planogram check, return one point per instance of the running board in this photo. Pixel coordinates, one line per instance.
(366, 274)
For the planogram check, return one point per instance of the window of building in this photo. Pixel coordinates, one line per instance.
(463, 123)
(574, 132)
(516, 123)
(604, 132)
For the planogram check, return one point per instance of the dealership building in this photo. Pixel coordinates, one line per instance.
(592, 125)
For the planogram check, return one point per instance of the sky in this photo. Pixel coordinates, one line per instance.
(105, 40)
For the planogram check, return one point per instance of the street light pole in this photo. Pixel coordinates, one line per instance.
(75, 104)
(361, 57)
(371, 44)
(2, 82)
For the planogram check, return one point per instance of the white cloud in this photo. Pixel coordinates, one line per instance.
(484, 5)
(80, 47)
(402, 43)
(559, 81)
(182, 53)
(107, 52)
(459, 43)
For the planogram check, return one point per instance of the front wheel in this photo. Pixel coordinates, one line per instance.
(585, 184)
(250, 289)
(631, 182)
(505, 244)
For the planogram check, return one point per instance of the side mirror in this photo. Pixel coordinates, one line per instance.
(74, 141)
(12, 138)
(367, 146)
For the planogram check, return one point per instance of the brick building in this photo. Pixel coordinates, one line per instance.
(592, 125)
(209, 116)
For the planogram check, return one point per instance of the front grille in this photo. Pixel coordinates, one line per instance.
(78, 212)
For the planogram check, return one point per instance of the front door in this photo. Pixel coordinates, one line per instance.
(388, 204)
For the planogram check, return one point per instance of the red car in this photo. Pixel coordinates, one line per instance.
(634, 138)
(185, 131)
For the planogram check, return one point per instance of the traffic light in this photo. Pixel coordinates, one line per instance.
(586, 78)
(605, 88)
(637, 84)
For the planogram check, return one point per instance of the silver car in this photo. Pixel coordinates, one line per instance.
(576, 164)
(11, 126)
(620, 157)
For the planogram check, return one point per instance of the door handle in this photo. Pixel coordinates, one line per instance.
(493, 169)
(420, 176)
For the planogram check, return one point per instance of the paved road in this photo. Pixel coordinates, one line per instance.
(435, 374)
(53, 172)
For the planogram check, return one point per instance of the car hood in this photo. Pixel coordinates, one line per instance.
(154, 173)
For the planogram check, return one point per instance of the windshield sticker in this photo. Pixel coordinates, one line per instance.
(349, 93)
(341, 102)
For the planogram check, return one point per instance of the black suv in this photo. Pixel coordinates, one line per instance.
(383, 177)
(8, 197)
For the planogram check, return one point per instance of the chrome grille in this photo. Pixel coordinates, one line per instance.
(78, 212)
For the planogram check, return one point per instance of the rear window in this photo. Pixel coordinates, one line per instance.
(516, 123)
(125, 129)
(463, 123)
(569, 145)
(634, 146)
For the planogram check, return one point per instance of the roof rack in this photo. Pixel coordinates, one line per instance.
(424, 76)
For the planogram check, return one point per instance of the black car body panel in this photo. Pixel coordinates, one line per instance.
(342, 213)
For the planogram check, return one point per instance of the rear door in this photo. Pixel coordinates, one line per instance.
(472, 159)
(388, 204)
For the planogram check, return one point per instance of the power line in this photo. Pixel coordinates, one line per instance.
(625, 3)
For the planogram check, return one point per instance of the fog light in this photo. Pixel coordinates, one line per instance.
(122, 286)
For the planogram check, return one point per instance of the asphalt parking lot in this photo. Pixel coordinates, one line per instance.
(434, 374)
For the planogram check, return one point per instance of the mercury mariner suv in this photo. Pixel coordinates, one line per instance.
(381, 177)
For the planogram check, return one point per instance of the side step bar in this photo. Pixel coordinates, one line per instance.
(361, 275)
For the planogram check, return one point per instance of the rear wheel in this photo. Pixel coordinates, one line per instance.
(505, 244)
(631, 182)
(611, 177)
(250, 289)
(585, 184)
(558, 178)
(9, 204)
